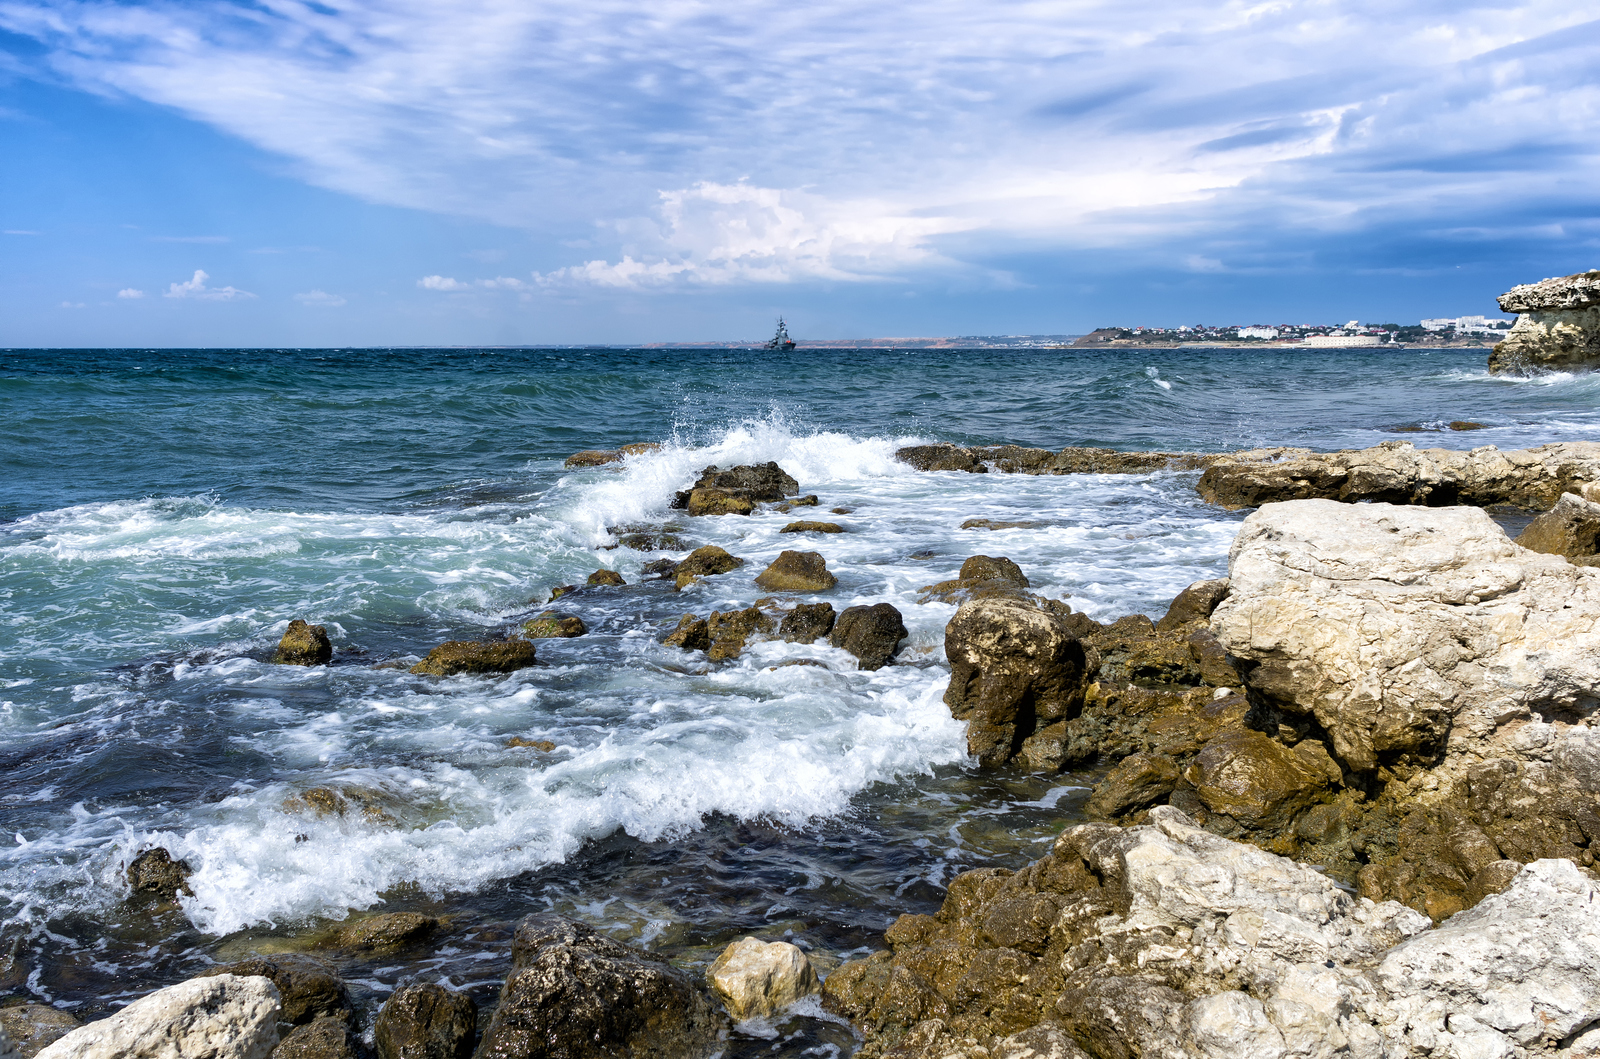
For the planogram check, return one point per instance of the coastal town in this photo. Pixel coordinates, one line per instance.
(1436, 331)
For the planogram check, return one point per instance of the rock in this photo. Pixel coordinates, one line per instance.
(542, 745)
(692, 634)
(797, 572)
(1395, 472)
(606, 577)
(705, 562)
(812, 527)
(1014, 459)
(561, 590)
(809, 500)
(154, 871)
(1570, 529)
(326, 1038)
(388, 930)
(718, 502)
(1014, 670)
(472, 656)
(841, 510)
(426, 1021)
(981, 577)
(660, 569)
(991, 524)
(730, 630)
(1558, 329)
(807, 623)
(225, 1016)
(31, 1027)
(1407, 631)
(304, 645)
(764, 481)
(593, 458)
(757, 979)
(1138, 780)
(1466, 424)
(576, 994)
(1195, 603)
(307, 989)
(872, 634)
(551, 625)
(939, 457)
(1258, 781)
(329, 801)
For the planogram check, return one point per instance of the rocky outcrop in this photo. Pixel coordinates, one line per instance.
(1015, 459)
(807, 623)
(1396, 472)
(872, 634)
(730, 631)
(981, 577)
(389, 930)
(692, 634)
(704, 562)
(797, 572)
(1015, 670)
(154, 871)
(199, 1019)
(737, 490)
(576, 994)
(758, 979)
(812, 527)
(552, 625)
(1570, 529)
(1166, 940)
(472, 656)
(606, 577)
(31, 1027)
(325, 1038)
(424, 1020)
(1558, 329)
(601, 457)
(304, 644)
(307, 989)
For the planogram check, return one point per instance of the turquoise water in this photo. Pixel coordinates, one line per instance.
(164, 514)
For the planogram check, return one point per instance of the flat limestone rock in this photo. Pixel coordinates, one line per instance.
(220, 1017)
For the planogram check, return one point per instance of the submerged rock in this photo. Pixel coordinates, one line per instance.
(797, 572)
(154, 871)
(758, 979)
(575, 993)
(812, 527)
(32, 1026)
(1570, 529)
(304, 645)
(872, 634)
(606, 577)
(601, 457)
(807, 623)
(1015, 459)
(217, 1016)
(981, 577)
(472, 656)
(552, 625)
(542, 745)
(704, 562)
(426, 1021)
(1558, 329)
(388, 930)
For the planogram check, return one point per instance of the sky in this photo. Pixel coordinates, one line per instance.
(401, 172)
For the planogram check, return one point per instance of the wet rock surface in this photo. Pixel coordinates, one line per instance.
(218, 1016)
(981, 577)
(812, 527)
(704, 562)
(32, 1026)
(807, 623)
(758, 979)
(304, 644)
(473, 656)
(575, 994)
(154, 871)
(872, 634)
(692, 634)
(606, 577)
(426, 1021)
(307, 988)
(1558, 328)
(1015, 459)
(553, 625)
(325, 1038)
(795, 571)
(730, 631)
(737, 490)
(389, 930)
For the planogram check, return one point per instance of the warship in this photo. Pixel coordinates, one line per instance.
(781, 340)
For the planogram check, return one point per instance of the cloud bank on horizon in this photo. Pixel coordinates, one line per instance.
(682, 145)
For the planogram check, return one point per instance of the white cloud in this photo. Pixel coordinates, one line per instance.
(129, 292)
(195, 287)
(72, 305)
(206, 239)
(442, 283)
(19, 231)
(320, 298)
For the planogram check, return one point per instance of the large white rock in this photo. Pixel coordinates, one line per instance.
(221, 1017)
(758, 979)
(1410, 629)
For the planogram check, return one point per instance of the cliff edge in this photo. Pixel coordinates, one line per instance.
(1558, 329)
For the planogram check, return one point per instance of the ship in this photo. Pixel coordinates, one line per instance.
(781, 340)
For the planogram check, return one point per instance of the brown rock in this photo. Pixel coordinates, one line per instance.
(426, 1021)
(575, 994)
(606, 577)
(1466, 424)
(705, 562)
(1138, 780)
(472, 656)
(1194, 603)
(32, 1026)
(561, 590)
(304, 645)
(325, 1038)
(807, 623)
(812, 527)
(594, 458)
(692, 634)
(1571, 528)
(981, 577)
(387, 930)
(308, 988)
(551, 625)
(797, 572)
(154, 871)
(729, 631)
(1257, 780)
(764, 481)
(991, 524)
(872, 634)
(541, 745)
(940, 457)
(718, 502)
(992, 568)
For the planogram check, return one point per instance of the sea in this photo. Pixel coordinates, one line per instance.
(164, 513)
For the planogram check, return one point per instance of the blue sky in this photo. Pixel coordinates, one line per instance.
(488, 171)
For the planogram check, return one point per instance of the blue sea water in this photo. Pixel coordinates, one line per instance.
(165, 513)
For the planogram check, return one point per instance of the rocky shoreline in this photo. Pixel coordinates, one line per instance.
(1386, 688)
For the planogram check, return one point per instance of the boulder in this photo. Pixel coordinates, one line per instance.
(154, 871)
(221, 1017)
(1195, 603)
(576, 994)
(326, 1038)
(1396, 472)
(942, 456)
(606, 577)
(31, 1027)
(553, 625)
(981, 577)
(1139, 780)
(304, 645)
(872, 634)
(593, 458)
(704, 562)
(807, 623)
(764, 481)
(758, 979)
(1015, 669)
(812, 527)
(692, 634)
(426, 1021)
(1258, 781)
(1570, 529)
(797, 572)
(730, 630)
(544, 746)
(307, 988)
(388, 930)
(1558, 328)
(472, 656)
(718, 502)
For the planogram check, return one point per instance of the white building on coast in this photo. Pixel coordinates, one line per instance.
(1339, 341)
